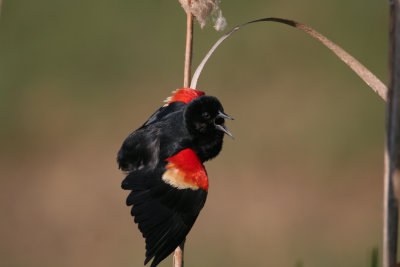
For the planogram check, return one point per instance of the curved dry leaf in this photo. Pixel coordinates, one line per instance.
(366, 75)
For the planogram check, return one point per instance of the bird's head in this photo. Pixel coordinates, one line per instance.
(204, 116)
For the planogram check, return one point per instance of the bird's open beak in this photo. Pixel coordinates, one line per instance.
(222, 127)
(225, 116)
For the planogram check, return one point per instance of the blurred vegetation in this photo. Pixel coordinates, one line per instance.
(302, 179)
(374, 258)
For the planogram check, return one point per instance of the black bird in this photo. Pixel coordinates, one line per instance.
(164, 161)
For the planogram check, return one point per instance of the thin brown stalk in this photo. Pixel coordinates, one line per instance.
(188, 51)
(178, 255)
(392, 148)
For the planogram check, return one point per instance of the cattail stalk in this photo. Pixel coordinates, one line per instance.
(392, 148)
(188, 51)
(178, 255)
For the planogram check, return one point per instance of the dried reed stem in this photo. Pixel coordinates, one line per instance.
(392, 148)
(178, 255)
(188, 51)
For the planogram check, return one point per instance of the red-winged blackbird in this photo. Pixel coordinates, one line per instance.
(164, 160)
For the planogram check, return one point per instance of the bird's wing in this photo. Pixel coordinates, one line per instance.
(166, 202)
(140, 149)
(164, 111)
(184, 95)
(174, 103)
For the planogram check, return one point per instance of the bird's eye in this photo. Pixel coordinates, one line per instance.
(206, 115)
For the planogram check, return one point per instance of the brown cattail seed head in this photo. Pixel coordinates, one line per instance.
(202, 9)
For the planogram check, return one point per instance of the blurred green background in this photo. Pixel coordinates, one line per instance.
(301, 182)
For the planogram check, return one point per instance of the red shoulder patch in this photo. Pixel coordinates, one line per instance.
(185, 170)
(184, 95)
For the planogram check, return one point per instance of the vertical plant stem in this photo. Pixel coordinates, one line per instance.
(188, 51)
(178, 255)
(374, 258)
(392, 149)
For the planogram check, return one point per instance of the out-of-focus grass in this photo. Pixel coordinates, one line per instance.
(302, 179)
(374, 258)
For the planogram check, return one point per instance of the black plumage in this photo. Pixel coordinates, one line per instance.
(166, 177)
(164, 214)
